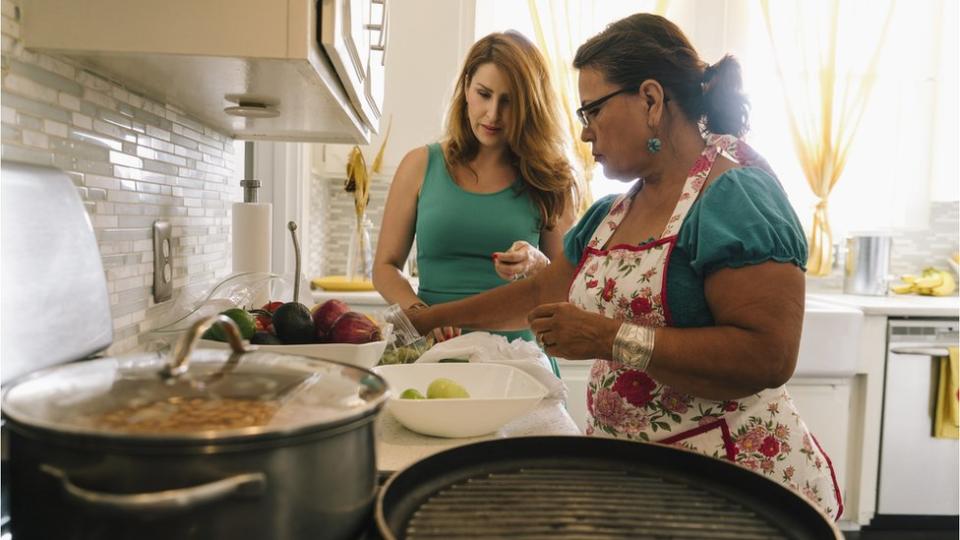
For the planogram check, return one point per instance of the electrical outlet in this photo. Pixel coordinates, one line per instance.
(162, 262)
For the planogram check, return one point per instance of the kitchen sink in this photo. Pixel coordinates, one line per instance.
(830, 339)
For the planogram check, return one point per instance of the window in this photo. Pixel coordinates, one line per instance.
(903, 156)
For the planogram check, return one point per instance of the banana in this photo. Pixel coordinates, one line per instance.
(905, 288)
(931, 282)
(945, 288)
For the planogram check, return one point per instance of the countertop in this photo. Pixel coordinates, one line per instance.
(398, 447)
(361, 298)
(898, 305)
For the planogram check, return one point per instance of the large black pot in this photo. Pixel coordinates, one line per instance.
(309, 472)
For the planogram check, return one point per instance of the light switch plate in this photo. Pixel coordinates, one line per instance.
(162, 262)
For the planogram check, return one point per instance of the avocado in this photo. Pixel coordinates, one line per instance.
(294, 324)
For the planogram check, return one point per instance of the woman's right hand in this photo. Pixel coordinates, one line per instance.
(445, 333)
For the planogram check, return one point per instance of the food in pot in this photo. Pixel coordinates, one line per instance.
(184, 414)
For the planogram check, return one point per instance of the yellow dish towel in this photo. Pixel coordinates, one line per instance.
(946, 422)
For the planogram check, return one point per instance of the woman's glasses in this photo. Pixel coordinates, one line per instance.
(591, 109)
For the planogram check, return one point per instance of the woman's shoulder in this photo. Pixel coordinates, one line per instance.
(744, 179)
(743, 191)
(413, 167)
(417, 156)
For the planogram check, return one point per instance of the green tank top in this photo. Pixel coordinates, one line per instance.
(458, 231)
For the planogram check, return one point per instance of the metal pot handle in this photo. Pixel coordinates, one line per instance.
(249, 484)
(180, 359)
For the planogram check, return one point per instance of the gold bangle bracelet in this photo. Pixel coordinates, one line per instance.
(633, 346)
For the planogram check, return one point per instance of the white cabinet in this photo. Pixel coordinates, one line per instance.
(354, 36)
(576, 374)
(264, 56)
(825, 407)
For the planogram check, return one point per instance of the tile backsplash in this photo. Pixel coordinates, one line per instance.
(134, 161)
(333, 227)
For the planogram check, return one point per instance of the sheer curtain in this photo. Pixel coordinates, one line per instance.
(904, 154)
(827, 77)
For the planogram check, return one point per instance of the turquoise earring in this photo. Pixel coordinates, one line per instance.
(654, 145)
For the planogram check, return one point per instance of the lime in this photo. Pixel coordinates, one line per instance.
(446, 388)
(411, 393)
(245, 321)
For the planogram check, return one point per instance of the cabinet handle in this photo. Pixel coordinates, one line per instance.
(382, 28)
(926, 351)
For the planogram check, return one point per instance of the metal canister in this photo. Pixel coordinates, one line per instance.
(867, 264)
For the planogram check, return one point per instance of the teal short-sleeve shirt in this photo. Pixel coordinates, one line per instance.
(742, 218)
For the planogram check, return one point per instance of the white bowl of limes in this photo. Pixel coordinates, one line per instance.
(459, 399)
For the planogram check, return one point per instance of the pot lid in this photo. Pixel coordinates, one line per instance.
(218, 394)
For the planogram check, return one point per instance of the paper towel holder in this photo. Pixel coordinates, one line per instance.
(251, 192)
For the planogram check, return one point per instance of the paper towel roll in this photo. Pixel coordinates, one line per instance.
(252, 245)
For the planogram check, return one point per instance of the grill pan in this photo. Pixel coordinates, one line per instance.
(586, 487)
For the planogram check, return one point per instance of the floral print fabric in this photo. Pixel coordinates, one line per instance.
(762, 432)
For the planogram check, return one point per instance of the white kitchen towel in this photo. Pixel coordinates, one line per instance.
(487, 347)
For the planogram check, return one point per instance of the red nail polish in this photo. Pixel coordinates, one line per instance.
(494, 256)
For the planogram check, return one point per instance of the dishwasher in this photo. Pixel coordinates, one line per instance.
(918, 477)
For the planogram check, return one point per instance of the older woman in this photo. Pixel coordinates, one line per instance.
(688, 290)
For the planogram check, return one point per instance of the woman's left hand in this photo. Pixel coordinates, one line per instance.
(565, 330)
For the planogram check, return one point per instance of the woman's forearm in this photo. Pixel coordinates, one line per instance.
(393, 286)
(503, 308)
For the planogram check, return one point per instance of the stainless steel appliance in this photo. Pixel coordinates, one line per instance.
(308, 474)
(867, 265)
(918, 473)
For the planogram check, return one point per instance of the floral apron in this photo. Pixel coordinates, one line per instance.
(762, 432)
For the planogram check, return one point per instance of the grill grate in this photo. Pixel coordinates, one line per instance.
(534, 503)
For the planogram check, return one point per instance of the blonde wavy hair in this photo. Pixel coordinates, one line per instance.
(535, 138)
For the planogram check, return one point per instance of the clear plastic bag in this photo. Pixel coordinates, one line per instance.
(407, 344)
(196, 301)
